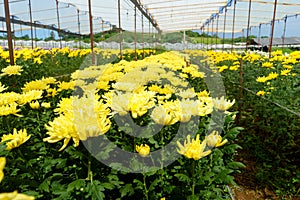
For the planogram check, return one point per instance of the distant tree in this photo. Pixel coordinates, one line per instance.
(51, 37)
(25, 37)
(192, 34)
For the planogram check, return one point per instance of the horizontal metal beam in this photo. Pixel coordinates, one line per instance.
(183, 13)
(188, 5)
(16, 21)
(146, 14)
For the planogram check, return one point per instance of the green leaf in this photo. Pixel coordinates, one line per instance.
(139, 184)
(109, 186)
(2, 146)
(154, 142)
(77, 184)
(96, 190)
(236, 165)
(183, 177)
(235, 130)
(153, 185)
(57, 188)
(45, 186)
(127, 190)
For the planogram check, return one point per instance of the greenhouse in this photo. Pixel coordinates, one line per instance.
(150, 99)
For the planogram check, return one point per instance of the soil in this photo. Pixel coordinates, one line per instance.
(242, 193)
(247, 188)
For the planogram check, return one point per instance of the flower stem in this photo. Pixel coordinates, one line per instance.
(145, 187)
(90, 173)
(193, 179)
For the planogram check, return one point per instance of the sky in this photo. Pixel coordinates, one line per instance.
(44, 11)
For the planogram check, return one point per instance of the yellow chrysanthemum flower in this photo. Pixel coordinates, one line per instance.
(2, 165)
(260, 93)
(34, 105)
(29, 96)
(288, 66)
(62, 128)
(188, 108)
(215, 140)
(51, 92)
(267, 64)
(139, 103)
(194, 149)
(285, 72)
(46, 105)
(203, 93)
(16, 139)
(8, 98)
(15, 196)
(9, 109)
(234, 67)
(222, 104)
(79, 119)
(118, 102)
(167, 113)
(35, 85)
(143, 149)
(2, 87)
(261, 79)
(37, 60)
(66, 85)
(11, 70)
(272, 75)
(222, 68)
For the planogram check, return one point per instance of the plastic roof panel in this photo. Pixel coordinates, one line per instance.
(170, 15)
(261, 13)
(174, 15)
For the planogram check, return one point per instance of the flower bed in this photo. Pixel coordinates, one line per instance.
(267, 92)
(151, 128)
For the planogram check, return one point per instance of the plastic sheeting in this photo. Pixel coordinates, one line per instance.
(170, 15)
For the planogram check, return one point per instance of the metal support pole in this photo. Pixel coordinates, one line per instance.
(233, 23)
(78, 23)
(135, 55)
(35, 37)
(13, 30)
(284, 30)
(243, 35)
(217, 29)
(91, 32)
(31, 29)
(202, 37)
(102, 23)
(58, 24)
(120, 29)
(248, 25)
(212, 30)
(207, 42)
(224, 28)
(259, 33)
(9, 36)
(149, 35)
(143, 36)
(152, 37)
(272, 31)
(21, 35)
(184, 40)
